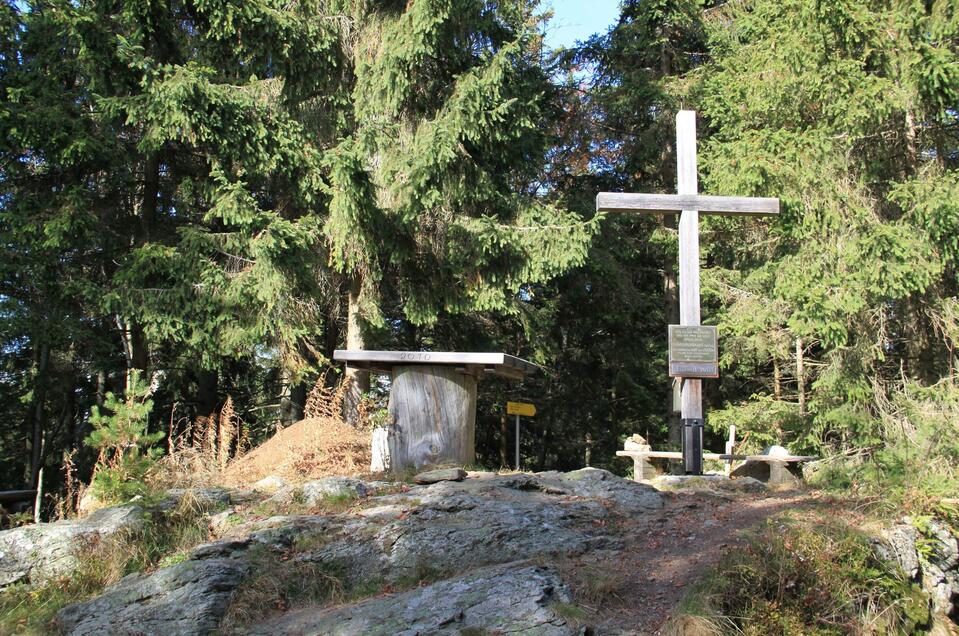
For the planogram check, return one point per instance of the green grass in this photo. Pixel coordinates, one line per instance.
(817, 577)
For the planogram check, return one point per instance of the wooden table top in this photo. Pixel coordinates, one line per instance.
(492, 363)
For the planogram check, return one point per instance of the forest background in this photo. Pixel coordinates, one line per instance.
(216, 194)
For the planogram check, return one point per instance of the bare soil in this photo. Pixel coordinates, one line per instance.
(636, 591)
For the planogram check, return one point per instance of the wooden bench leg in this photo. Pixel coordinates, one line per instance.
(643, 468)
(780, 477)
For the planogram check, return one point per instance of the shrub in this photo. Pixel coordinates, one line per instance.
(820, 577)
(916, 470)
(120, 435)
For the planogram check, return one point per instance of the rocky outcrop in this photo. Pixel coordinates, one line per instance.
(430, 532)
(929, 557)
(40, 552)
(186, 598)
(511, 599)
(315, 491)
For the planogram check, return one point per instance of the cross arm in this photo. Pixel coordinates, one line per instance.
(675, 203)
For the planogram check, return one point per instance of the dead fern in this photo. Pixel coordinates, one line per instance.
(324, 401)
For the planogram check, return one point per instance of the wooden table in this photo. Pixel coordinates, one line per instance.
(432, 407)
(643, 468)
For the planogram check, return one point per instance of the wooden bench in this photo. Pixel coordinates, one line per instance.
(778, 464)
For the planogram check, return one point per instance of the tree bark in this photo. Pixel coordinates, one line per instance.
(777, 380)
(35, 427)
(432, 417)
(800, 377)
(671, 297)
(359, 380)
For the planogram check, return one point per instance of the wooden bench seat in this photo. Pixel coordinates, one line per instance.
(643, 467)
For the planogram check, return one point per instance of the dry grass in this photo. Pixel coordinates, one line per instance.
(309, 449)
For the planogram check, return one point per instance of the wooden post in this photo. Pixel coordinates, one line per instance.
(688, 183)
(39, 498)
(689, 204)
(730, 445)
(517, 442)
(432, 417)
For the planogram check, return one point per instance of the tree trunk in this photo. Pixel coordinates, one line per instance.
(777, 380)
(35, 427)
(800, 377)
(359, 381)
(432, 417)
(671, 297)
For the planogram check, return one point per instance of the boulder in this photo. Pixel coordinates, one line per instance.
(484, 520)
(637, 442)
(269, 485)
(186, 598)
(205, 499)
(897, 544)
(510, 599)
(441, 474)
(40, 552)
(708, 482)
(315, 491)
(940, 568)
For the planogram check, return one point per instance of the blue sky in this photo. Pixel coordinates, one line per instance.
(578, 19)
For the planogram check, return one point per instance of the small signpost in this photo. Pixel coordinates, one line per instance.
(519, 408)
(688, 203)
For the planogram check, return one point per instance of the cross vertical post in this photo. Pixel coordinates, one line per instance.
(688, 203)
(687, 183)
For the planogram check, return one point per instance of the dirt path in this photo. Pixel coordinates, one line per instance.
(637, 590)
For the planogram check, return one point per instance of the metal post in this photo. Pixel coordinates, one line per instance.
(693, 446)
(517, 442)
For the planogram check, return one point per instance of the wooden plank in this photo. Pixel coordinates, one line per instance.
(687, 183)
(724, 456)
(674, 203)
(498, 363)
(432, 417)
(9, 496)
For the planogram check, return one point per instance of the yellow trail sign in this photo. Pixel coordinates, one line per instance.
(520, 408)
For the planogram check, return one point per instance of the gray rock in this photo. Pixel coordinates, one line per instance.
(426, 533)
(776, 451)
(221, 522)
(484, 520)
(186, 598)
(441, 474)
(40, 552)
(269, 485)
(709, 482)
(595, 483)
(315, 491)
(940, 568)
(898, 545)
(511, 599)
(205, 499)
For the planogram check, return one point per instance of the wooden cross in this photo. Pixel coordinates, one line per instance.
(688, 203)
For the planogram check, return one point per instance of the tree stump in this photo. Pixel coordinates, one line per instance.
(432, 417)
